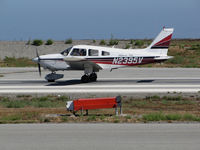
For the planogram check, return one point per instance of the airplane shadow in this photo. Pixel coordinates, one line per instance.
(145, 81)
(77, 82)
(68, 82)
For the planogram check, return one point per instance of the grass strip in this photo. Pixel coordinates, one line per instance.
(37, 102)
(169, 117)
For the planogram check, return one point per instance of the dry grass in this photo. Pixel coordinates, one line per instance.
(136, 110)
(17, 62)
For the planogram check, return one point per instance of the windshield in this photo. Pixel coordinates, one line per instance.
(66, 52)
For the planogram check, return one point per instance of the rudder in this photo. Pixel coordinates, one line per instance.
(163, 39)
(161, 43)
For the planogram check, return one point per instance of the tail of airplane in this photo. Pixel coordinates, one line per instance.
(161, 43)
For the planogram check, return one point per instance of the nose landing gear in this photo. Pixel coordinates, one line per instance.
(89, 78)
(53, 76)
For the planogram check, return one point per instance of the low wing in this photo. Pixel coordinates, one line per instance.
(81, 63)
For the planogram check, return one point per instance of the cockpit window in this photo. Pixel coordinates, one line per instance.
(93, 52)
(66, 52)
(104, 53)
(78, 52)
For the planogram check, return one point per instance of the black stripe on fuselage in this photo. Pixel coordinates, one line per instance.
(51, 58)
(101, 58)
(160, 47)
(121, 57)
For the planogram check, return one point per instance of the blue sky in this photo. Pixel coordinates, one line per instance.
(97, 19)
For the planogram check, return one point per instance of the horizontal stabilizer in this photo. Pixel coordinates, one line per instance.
(163, 57)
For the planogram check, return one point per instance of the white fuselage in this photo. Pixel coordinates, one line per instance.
(118, 58)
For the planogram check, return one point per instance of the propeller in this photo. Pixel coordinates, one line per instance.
(39, 68)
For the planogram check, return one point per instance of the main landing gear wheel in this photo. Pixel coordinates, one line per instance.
(89, 78)
(85, 78)
(93, 77)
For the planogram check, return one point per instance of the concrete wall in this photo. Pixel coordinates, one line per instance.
(20, 49)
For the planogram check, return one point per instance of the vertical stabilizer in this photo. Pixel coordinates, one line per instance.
(161, 43)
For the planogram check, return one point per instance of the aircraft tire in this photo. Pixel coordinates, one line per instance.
(93, 77)
(85, 79)
(51, 80)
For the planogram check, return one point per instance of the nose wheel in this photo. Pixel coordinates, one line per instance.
(89, 78)
(53, 76)
(51, 80)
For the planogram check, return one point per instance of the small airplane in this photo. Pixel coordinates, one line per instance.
(91, 59)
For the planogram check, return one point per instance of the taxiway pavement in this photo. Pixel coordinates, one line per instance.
(181, 136)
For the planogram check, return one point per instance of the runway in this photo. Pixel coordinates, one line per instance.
(121, 81)
(179, 136)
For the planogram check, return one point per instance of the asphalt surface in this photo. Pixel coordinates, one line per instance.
(120, 81)
(100, 136)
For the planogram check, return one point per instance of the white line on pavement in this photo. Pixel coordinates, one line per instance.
(100, 91)
(114, 78)
(103, 86)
